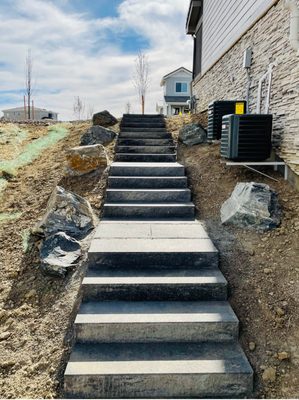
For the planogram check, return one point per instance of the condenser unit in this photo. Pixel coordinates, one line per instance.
(217, 110)
(246, 137)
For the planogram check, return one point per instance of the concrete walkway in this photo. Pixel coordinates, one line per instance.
(154, 321)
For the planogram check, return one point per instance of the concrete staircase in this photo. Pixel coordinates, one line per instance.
(154, 320)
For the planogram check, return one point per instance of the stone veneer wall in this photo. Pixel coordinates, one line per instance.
(269, 40)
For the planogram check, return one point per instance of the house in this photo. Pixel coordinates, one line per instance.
(235, 45)
(18, 114)
(177, 91)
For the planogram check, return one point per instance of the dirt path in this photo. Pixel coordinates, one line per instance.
(36, 311)
(262, 270)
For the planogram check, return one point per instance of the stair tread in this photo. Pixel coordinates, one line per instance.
(161, 312)
(157, 358)
(146, 164)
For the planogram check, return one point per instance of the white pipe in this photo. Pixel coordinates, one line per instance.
(292, 6)
(268, 75)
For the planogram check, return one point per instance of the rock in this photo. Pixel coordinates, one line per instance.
(59, 253)
(4, 335)
(192, 134)
(269, 374)
(67, 212)
(97, 135)
(84, 159)
(252, 346)
(252, 205)
(267, 271)
(30, 294)
(104, 118)
(280, 312)
(283, 355)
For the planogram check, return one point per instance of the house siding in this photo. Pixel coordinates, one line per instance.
(169, 88)
(227, 79)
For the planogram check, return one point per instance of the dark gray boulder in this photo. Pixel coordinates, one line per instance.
(97, 135)
(252, 205)
(192, 134)
(67, 212)
(104, 118)
(58, 254)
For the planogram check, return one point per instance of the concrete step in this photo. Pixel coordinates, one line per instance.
(148, 182)
(148, 196)
(158, 370)
(145, 149)
(149, 210)
(145, 142)
(144, 135)
(152, 284)
(146, 169)
(137, 129)
(125, 157)
(142, 124)
(155, 321)
(159, 252)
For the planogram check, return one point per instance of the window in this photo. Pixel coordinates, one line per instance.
(181, 87)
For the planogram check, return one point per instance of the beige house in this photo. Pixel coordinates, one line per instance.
(250, 49)
(38, 114)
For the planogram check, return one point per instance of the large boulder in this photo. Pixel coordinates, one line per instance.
(67, 212)
(104, 118)
(97, 135)
(192, 134)
(84, 159)
(59, 253)
(252, 205)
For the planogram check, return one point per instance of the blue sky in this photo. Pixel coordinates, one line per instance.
(87, 48)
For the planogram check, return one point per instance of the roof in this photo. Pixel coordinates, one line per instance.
(176, 99)
(174, 72)
(22, 109)
(193, 17)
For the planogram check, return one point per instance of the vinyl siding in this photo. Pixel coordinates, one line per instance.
(224, 22)
(169, 88)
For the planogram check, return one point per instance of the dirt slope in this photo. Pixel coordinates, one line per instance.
(262, 268)
(36, 311)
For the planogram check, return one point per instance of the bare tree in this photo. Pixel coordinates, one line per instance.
(90, 111)
(78, 107)
(128, 108)
(141, 77)
(28, 81)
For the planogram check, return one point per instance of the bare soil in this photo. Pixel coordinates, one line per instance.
(37, 311)
(262, 268)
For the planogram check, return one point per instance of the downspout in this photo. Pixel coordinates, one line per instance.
(292, 6)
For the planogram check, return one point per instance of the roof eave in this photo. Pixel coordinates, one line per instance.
(193, 16)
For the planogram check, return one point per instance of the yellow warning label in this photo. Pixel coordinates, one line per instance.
(240, 108)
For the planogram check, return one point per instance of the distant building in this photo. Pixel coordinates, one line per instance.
(177, 85)
(38, 114)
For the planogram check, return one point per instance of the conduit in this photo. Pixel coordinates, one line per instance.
(292, 6)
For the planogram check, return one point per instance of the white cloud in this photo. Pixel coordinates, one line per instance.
(73, 54)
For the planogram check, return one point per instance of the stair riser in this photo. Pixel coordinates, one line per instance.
(153, 260)
(154, 292)
(131, 129)
(136, 212)
(145, 142)
(156, 332)
(145, 157)
(141, 183)
(172, 386)
(145, 149)
(144, 135)
(158, 197)
(147, 171)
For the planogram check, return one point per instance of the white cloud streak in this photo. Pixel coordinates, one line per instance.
(74, 55)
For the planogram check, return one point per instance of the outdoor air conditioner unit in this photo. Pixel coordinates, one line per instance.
(246, 137)
(217, 110)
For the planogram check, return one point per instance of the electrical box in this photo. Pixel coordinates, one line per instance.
(217, 110)
(246, 137)
(247, 60)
